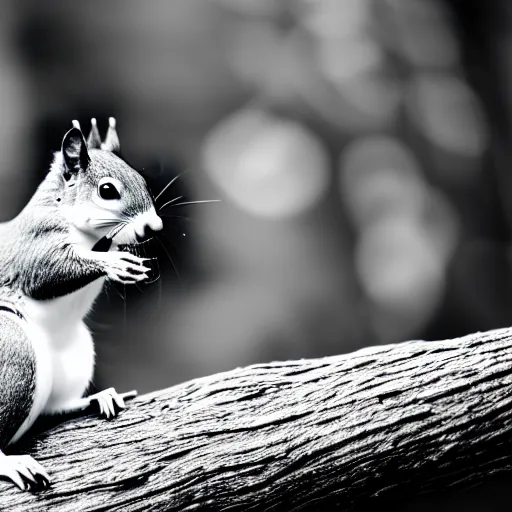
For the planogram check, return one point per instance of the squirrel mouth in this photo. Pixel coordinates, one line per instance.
(139, 248)
(102, 245)
(105, 243)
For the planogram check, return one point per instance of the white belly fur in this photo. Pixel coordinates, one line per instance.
(64, 349)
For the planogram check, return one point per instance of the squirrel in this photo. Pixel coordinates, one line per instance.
(54, 258)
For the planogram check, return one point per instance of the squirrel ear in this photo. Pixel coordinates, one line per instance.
(94, 140)
(111, 140)
(74, 151)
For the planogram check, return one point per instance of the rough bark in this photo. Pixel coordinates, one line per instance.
(297, 435)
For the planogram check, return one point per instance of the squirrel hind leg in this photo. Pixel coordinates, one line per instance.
(108, 403)
(25, 472)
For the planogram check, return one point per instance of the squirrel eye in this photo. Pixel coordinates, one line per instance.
(108, 191)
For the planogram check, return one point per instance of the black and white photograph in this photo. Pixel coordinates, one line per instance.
(255, 255)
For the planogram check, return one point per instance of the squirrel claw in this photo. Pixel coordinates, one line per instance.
(124, 267)
(25, 472)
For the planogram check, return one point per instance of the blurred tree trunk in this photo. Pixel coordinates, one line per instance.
(338, 431)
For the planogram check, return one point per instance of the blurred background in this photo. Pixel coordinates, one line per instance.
(361, 150)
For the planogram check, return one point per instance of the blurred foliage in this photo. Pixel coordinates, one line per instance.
(360, 149)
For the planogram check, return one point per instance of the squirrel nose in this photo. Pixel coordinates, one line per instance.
(149, 228)
(144, 234)
(155, 224)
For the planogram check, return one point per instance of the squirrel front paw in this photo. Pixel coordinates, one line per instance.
(23, 471)
(124, 267)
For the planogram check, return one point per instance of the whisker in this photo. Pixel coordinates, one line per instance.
(159, 284)
(169, 216)
(139, 244)
(169, 184)
(169, 256)
(175, 216)
(124, 309)
(116, 289)
(113, 219)
(141, 249)
(190, 202)
(104, 224)
(170, 202)
(171, 242)
(157, 272)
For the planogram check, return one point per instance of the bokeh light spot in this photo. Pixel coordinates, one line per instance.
(266, 165)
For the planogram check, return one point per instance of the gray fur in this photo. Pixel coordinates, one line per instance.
(36, 257)
(105, 163)
(17, 376)
(39, 260)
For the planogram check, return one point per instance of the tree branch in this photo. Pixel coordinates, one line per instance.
(416, 416)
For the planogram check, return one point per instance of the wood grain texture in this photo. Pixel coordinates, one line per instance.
(296, 435)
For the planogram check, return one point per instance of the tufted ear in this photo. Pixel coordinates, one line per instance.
(111, 140)
(94, 140)
(74, 151)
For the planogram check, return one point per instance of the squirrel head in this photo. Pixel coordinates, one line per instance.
(103, 195)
